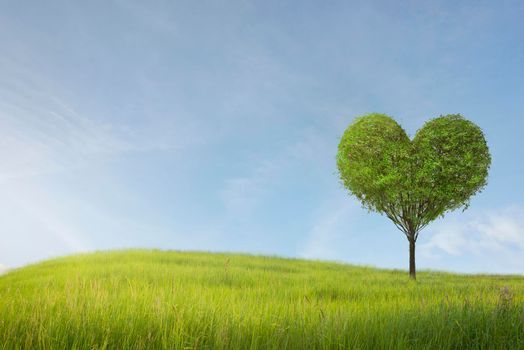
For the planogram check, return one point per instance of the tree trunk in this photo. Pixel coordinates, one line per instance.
(412, 269)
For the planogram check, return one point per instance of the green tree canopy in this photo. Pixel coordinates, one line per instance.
(414, 181)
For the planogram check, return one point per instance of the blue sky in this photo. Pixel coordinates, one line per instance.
(214, 125)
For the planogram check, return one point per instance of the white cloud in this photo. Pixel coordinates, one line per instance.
(497, 234)
(3, 269)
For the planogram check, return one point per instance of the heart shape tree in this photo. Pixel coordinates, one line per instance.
(414, 181)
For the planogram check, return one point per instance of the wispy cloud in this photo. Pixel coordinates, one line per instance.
(42, 133)
(52, 143)
(495, 236)
(36, 222)
(241, 194)
(43, 130)
(328, 229)
(115, 125)
(479, 233)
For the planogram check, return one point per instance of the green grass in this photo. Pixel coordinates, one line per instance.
(157, 299)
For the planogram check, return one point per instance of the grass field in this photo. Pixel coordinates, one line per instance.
(157, 299)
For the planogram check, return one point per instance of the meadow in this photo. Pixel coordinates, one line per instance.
(150, 299)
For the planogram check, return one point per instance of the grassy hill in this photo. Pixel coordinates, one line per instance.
(157, 299)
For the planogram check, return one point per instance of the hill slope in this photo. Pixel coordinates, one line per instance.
(157, 299)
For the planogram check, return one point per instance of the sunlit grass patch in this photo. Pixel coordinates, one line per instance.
(157, 299)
